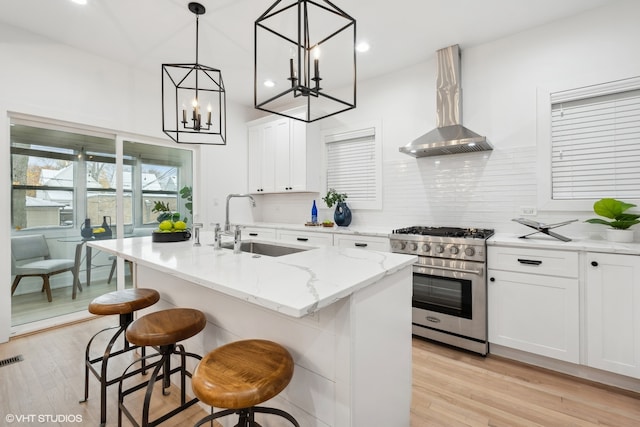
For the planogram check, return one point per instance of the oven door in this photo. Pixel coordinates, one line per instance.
(450, 296)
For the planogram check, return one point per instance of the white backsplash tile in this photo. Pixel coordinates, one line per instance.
(482, 189)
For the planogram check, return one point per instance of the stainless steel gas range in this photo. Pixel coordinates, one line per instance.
(449, 283)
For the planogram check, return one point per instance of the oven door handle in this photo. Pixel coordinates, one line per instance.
(459, 270)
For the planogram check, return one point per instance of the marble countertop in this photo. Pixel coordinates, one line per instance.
(577, 243)
(296, 285)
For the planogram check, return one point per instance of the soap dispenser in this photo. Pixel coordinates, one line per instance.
(314, 213)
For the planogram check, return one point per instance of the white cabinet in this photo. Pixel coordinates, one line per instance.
(258, 233)
(612, 314)
(533, 301)
(310, 238)
(283, 156)
(372, 243)
(261, 156)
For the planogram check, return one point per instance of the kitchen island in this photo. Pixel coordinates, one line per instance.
(343, 313)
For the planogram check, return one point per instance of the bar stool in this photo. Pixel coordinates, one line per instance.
(123, 303)
(240, 375)
(162, 330)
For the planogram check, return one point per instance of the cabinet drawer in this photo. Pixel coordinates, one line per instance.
(258, 233)
(362, 242)
(536, 261)
(306, 237)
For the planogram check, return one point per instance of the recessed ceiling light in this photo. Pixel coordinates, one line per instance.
(269, 83)
(363, 47)
(79, 1)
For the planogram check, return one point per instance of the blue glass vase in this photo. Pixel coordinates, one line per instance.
(342, 215)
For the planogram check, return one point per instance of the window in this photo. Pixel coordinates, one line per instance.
(354, 166)
(62, 176)
(594, 143)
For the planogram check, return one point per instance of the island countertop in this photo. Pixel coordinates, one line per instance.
(296, 285)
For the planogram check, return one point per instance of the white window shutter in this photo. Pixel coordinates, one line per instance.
(353, 166)
(596, 146)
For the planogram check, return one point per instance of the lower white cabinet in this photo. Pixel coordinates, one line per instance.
(612, 314)
(258, 233)
(372, 243)
(310, 238)
(531, 307)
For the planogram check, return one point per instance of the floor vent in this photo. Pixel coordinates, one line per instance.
(9, 361)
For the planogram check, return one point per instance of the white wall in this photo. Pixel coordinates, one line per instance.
(500, 81)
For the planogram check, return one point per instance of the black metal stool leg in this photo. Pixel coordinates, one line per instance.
(124, 321)
(162, 371)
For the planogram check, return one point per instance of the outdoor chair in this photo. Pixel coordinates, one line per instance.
(30, 257)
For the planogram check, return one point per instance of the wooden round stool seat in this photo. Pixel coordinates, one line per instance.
(242, 374)
(166, 327)
(124, 301)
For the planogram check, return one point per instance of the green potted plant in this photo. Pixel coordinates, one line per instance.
(342, 214)
(619, 220)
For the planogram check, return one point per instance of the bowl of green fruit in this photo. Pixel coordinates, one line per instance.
(171, 227)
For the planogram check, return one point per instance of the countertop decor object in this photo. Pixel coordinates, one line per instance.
(543, 228)
(342, 214)
(205, 120)
(621, 220)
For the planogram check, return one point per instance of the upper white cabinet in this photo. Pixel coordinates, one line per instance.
(613, 312)
(283, 156)
(533, 298)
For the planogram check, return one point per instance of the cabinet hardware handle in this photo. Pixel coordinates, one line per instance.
(432, 319)
(302, 239)
(529, 261)
(253, 234)
(360, 245)
(492, 279)
(594, 263)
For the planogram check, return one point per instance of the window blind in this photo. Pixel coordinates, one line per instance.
(595, 145)
(351, 164)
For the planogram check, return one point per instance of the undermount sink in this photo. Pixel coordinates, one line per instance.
(265, 249)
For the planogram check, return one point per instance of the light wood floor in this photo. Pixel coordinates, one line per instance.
(454, 388)
(450, 387)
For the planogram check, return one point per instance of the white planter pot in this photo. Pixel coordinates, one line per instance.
(620, 236)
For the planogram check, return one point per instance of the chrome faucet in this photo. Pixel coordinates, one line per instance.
(217, 243)
(237, 240)
(196, 233)
(227, 226)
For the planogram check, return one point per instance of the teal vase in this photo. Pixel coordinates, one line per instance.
(342, 215)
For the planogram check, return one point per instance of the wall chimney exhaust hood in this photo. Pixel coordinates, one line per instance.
(450, 137)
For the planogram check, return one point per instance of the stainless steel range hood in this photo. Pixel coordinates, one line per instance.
(450, 137)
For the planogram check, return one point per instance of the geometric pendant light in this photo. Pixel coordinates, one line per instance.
(305, 60)
(194, 100)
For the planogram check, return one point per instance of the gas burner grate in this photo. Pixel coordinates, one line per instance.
(446, 232)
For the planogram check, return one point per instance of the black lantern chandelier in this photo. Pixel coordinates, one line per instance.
(291, 40)
(194, 99)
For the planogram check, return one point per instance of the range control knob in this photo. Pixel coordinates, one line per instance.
(399, 245)
(425, 248)
(470, 251)
(439, 249)
(413, 247)
(454, 250)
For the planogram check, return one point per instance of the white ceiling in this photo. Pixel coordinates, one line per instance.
(148, 33)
